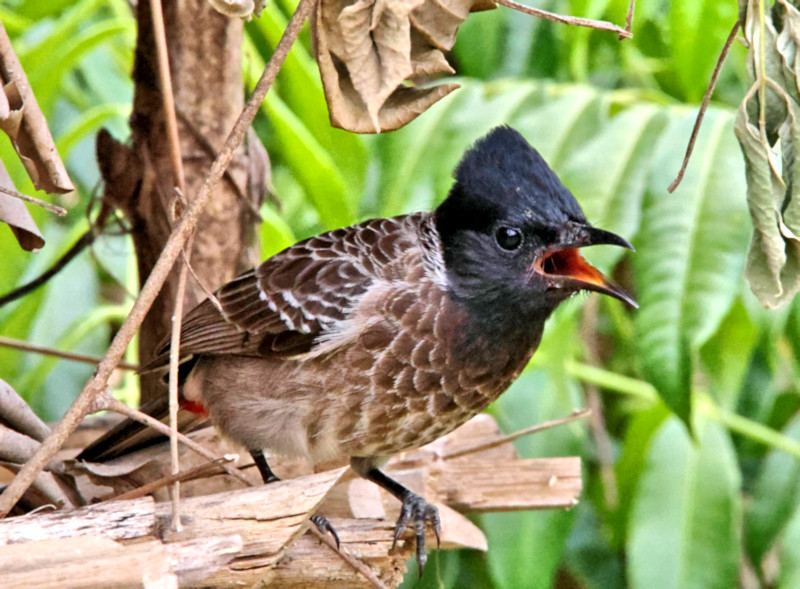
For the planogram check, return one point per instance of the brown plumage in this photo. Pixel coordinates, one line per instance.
(366, 341)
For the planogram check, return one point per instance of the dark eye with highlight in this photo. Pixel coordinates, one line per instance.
(508, 238)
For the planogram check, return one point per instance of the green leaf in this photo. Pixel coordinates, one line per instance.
(789, 554)
(690, 252)
(609, 174)
(629, 467)
(726, 356)
(697, 30)
(312, 165)
(775, 497)
(686, 515)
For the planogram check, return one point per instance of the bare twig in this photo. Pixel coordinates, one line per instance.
(208, 148)
(629, 18)
(111, 404)
(95, 387)
(601, 25)
(575, 415)
(704, 106)
(14, 344)
(39, 203)
(191, 474)
(83, 241)
(176, 160)
(354, 562)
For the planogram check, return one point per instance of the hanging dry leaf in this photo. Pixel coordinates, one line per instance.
(773, 181)
(372, 54)
(14, 213)
(24, 123)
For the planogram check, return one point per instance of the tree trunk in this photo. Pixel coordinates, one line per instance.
(205, 64)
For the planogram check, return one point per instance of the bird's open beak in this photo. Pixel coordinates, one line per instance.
(564, 266)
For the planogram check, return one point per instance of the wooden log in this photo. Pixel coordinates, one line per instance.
(115, 521)
(98, 561)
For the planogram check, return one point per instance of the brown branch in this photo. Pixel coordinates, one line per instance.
(351, 560)
(14, 344)
(112, 404)
(601, 25)
(704, 106)
(82, 405)
(176, 160)
(192, 473)
(517, 434)
(629, 18)
(39, 203)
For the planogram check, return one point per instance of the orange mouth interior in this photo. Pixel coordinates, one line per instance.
(570, 263)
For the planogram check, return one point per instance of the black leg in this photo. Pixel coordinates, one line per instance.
(261, 462)
(414, 507)
(323, 525)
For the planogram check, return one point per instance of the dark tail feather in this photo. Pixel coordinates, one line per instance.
(129, 435)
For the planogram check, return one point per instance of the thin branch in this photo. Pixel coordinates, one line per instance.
(209, 150)
(111, 404)
(165, 82)
(601, 25)
(354, 562)
(83, 242)
(629, 18)
(95, 387)
(176, 159)
(191, 474)
(575, 415)
(15, 344)
(704, 106)
(39, 203)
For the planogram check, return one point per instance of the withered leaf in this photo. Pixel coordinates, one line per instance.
(26, 126)
(373, 54)
(14, 213)
(773, 182)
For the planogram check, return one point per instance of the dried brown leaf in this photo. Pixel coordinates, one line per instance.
(14, 213)
(26, 126)
(372, 53)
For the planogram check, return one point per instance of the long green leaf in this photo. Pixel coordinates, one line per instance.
(775, 497)
(686, 515)
(690, 253)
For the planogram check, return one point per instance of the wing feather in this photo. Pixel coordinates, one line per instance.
(307, 290)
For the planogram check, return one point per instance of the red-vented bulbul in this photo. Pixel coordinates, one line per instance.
(370, 340)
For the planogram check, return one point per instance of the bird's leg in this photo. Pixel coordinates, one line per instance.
(322, 523)
(413, 507)
(263, 467)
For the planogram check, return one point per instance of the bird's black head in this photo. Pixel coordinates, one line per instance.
(510, 233)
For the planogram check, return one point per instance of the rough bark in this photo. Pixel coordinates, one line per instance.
(205, 65)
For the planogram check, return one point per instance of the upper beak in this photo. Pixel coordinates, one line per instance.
(565, 266)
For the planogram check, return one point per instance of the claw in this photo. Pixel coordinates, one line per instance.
(324, 526)
(422, 513)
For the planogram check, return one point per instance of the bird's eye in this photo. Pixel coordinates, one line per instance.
(508, 238)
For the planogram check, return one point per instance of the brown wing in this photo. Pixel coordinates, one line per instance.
(282, 306)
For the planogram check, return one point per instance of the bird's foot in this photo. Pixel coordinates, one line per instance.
(421, 512)
(324, 526)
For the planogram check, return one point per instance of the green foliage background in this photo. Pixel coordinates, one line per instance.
(668, 508)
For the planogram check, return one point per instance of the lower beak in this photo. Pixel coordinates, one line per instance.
(566, 266)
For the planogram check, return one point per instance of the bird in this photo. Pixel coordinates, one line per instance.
(373, 339)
